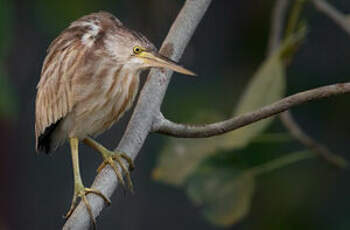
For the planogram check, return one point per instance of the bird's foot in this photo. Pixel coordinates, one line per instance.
(111, 158)
(116, 160)
(81, 192)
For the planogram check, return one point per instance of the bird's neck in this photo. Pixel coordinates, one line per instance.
(129, 79)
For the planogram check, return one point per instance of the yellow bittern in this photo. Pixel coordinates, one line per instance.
(89, 78)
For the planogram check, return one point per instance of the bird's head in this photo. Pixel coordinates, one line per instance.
(146, 57)
(122, 44)
(136, 51)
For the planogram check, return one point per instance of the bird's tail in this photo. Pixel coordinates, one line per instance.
(45, 141)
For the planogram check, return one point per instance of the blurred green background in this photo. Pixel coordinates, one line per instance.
(226, 50)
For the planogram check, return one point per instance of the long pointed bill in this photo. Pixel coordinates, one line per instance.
(157, 60)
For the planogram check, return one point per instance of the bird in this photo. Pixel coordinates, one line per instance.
(89, 79)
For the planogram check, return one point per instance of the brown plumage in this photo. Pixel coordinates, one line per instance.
(89, 78)
(83, 89)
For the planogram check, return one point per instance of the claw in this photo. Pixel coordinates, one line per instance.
(129, 160)
(81, 192)
(110, 161)
(113, 158)
(117, 157)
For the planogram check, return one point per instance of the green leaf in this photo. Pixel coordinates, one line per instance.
(225, 194)
(224, 185)
(179, 157)
(266, 87)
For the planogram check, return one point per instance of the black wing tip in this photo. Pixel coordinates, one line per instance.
(44, 141)
(43, 147)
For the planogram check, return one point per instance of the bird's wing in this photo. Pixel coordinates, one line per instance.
(54, 92)
(53, 102)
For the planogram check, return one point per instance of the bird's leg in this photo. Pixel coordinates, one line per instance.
(109, 158)
(79, 190)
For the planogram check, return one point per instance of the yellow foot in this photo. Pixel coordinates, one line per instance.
(111, 158)
(80, 192)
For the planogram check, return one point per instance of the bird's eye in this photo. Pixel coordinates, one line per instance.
(137, 49)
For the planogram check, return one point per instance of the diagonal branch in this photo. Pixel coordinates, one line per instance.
(148, 105)
(339, 18)
(297, 132)
(167, 127)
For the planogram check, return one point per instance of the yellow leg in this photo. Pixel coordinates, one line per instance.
(79, 190)
(109, 158)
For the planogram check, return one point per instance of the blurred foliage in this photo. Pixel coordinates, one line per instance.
(6, 22)
(266, 87)
(8, 99)
(224, 193)
(50, 11)
(224, 184)
(225, 190)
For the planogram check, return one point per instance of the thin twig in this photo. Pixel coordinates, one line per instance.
(309, 142)
(339, 18)
(170, 128)
(148, 105)
(286, 118)
(277, 23)
(281, 162)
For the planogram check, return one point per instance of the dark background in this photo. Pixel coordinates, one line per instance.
(225, 51)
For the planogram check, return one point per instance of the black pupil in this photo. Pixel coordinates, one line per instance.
(137, 49)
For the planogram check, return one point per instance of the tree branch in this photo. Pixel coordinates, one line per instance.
(148, 105)
(333, 14)
(170, 128)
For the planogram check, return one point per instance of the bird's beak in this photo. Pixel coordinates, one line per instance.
(154, 59)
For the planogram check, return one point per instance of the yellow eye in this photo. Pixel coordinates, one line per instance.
(137, 49)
